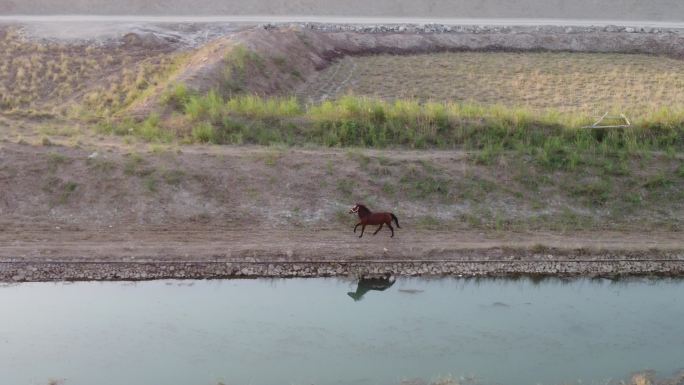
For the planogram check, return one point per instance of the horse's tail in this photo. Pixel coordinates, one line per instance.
(395, 220)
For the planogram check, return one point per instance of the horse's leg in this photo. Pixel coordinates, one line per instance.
(391, 229)
(363, 228)
(379, 227)
(357, 225)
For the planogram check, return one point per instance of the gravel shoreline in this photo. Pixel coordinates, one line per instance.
(536, 265)
(436, 28)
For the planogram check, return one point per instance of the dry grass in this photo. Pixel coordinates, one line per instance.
(587, 83)
(54, 76)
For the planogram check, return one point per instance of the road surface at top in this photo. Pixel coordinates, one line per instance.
(653, 10)
(99, 27)
(249, 19)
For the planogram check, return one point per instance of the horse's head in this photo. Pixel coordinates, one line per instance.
(360, 209)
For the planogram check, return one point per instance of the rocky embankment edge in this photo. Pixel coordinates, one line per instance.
(542, 265)
(436, 28)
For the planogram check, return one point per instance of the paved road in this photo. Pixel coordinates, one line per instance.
(333, 20)
(656, 10)
(102, 27)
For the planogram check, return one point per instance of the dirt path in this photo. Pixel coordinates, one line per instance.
(48, 254)
(180, 243)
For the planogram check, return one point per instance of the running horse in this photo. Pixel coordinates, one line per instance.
(370, 218)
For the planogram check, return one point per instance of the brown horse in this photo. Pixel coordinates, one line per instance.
(369, 218)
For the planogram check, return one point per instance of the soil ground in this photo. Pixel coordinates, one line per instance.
(22, 242)
(69, 193)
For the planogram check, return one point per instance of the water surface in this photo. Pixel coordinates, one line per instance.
(309, 331)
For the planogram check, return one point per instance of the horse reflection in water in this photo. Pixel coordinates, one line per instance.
(371, 283)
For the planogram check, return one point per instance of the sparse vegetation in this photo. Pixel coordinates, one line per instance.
(150, 130)
(656, 181)
(239, 62)
(101, 165)
(55, 160)
(595, 192)
(425, 184)
(151, 183)
(57, 130)
(204, 133)
(271, 158)
(173, 177)
(429, 222)
(67, 190)
(135, 165)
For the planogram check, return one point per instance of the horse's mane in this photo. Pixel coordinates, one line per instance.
(363, 209)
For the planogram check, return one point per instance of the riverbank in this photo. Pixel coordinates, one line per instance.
(140, 253)
(117, 211)
(121, 177)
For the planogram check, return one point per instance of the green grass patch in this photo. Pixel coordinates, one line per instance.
(176, 96)
(173, 177)
(389, 189)
(151, 183)
(552, 139)
(429, 222)
(150, 130)
(658, 181)
(57, 158)
(101, 165)
(329, 167)
(421, 184)
(135, 165)
(271, 158)
(595, 192)
(204, 133)
(238, 63)
(57, 130)
(67, 190)
(346, 187)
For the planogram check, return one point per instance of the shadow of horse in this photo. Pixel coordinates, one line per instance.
(367, 284)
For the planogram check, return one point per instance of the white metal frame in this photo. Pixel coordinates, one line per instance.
(597, 124)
